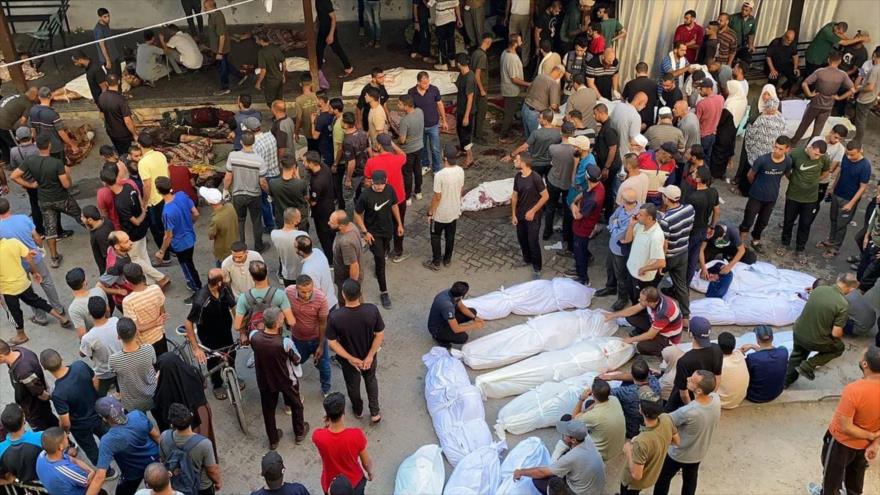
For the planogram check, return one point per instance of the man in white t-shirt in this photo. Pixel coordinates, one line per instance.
(445, 208)
(646, 256)
(100, 342)
(187, 50)
(836, 150)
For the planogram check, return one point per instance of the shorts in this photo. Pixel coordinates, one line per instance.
(51, 209)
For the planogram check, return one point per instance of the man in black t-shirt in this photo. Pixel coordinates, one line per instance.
(377, 80)
(355, 333)
(210, 317)
(375, 214)
(117, 116)
(29, 385)
(96, 75)
(782, 60)
(706, 204)
(450, 319)
(547, 26)
(529, 196)
(99, 233)
(325, 16)
(321, 199)
(355, 152)
(703, 356)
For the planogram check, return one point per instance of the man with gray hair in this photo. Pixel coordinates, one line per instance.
(278, 370)
(819, 328)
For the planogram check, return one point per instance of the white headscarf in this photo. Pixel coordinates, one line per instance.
(736, 102)
(772, 102)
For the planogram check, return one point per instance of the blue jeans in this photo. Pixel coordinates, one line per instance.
(266, 208)
(719, 287)
(306, 348)
(707, 142)
(432, 141)
(581, 256)
(373, 11)
(530, 120)
(225, 70)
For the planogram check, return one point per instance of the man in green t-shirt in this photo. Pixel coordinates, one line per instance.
(270, 61)
(219, 43)
(833, 33)
(819, 328)
(808, 166)
(612, 29)
(743, 25)
(647, 450)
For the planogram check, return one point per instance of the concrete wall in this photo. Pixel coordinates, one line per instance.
(126, 14)
(861, 14)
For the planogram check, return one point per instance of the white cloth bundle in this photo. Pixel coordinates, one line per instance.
(793, 111)
(549, 332)
(479, 473)
(536, 297)
(542, 406)
(399, 80)
(598, 355)
(456, 406)
(531, 452)
(422, 472)
(488, 195)
(296, 64)
(759, 277)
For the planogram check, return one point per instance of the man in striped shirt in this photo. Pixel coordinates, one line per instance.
(58, 471)
(657, 320)
(677, 223)
(310, 309)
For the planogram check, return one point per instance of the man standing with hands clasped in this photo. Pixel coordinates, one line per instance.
(529, 196)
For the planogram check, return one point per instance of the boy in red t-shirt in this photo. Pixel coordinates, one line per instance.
(586, 209)
(343, 450)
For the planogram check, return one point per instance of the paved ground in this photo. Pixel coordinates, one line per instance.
(749, 446)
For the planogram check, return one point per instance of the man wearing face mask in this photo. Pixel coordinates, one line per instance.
(211, 316)
(853, 436)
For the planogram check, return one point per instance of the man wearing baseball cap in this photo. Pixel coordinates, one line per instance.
(766, 366)
(704, 355)
(272, 469)
(131, 441)
(376, 213)
(586, 210)
(581, 467)
(677, 224)
(391, 159)
(647, 450)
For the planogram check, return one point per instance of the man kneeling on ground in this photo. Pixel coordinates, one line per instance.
(449, 319)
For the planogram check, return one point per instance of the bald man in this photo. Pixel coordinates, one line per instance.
(627, 121)
(603, 74)
(210, 317)
(347, 251)
(688, 122)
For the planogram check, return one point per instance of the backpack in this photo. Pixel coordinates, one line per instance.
(184, 477)
(256, 306)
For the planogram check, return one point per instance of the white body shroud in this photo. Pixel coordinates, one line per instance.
(399, 80)
(542, 406)
(478, 473)
(455, 406)
(488, 195)
(536, 297)
(549, 332)
(531, 452)
(597, 355)
(422, 472)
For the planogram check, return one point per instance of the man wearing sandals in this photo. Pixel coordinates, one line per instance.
(852, 181)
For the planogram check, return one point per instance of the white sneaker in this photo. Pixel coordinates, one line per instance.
(418, 196)
(425, 170)
(250, 362)
(409, 202)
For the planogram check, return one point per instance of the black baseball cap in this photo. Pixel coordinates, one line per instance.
(379, 177)
(272, 468)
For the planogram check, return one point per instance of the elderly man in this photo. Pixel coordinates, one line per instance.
(783, 61)
(618, 279)
(819, 328)
(581, 468)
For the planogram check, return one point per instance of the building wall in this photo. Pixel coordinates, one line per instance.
(861, 14)
(126, 14)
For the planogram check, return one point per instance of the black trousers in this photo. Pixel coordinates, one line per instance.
(556, 201)
(757, 213)
(617, 276)
(338, 191)
(321, 45)
(823, 189)
(191, 7)
(245, 205)
(37, 213)
(670, 468)
(85, 440)
(421, 43)
(677, 268)
(412, 174)
(380, 247)
(869, 268)
(121, 145)
(711, 252)
(398, 239)
(325, 233)
(128, 487)
(527, 233)
(446, 337)
(269, 401)
(7, 142)
(803, 212)
(843, 467)
(446, 42)
(439, 229)
(353, 377)
(190, 272)
(157, 227)
(785, 72)
(29, 297)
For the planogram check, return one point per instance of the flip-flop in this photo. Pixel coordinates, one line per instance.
(220, 394)
(19, 340)
(346, 75)
(375, 421)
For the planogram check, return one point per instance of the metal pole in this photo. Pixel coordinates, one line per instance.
(311, 47)
(7, 45)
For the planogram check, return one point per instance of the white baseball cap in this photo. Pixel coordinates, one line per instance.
(212, 196)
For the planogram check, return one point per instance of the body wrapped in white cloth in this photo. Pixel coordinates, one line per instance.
(479, 473)
(529, 453)
(422, 472)
(549, 332)
(455, 406)
(536, 297)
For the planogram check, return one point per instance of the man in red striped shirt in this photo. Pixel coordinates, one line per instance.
(310, 309)
(657, 320)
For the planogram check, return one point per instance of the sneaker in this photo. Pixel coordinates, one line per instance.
(409, 202)
(618, 305)
(441, 67)
(414, 55)
(536, 274)
(299, 438)
(386, 300)
(40, 321)
(112, 474)
(400, 257)
(447, 262)
(814, 488)
(758, 247)
(419, 195)
(425, 171)
(56, 261)
(429, 60)
(160, 264)
(250, 362)
(288, 411)
(189, 300)
(802, 260)
(273, 446)
(606, 291)
(65, 234)
(222, 92)
(806, 373)
(571, 274)
(430, 265)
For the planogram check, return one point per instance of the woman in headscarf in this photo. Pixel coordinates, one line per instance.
(737, 101)
(725, 145)
(180, 382)
(760, 136)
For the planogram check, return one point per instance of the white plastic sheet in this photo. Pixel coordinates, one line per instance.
(421, 473)
(542, 406)
(456, 406)
(399, 80)
(478, 473)
(549, 332)
(531, 452)
(793, 111)
(536, 297)
(488, 195)
(597, 355)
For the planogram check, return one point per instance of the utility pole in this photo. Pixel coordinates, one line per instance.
(311, 47)
(7, 45)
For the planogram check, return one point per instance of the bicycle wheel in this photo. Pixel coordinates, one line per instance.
(230, 379)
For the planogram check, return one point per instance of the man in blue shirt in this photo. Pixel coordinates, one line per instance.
(765, 175)
(766, 366)
(59, 469)
(19, 452)
(639, 380)
(178, 216)
(132, 441)
(852, 181)
(618, 281)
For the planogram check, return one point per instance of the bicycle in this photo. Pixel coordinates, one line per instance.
(226, 368)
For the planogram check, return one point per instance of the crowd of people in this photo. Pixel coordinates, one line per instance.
(640, 159)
